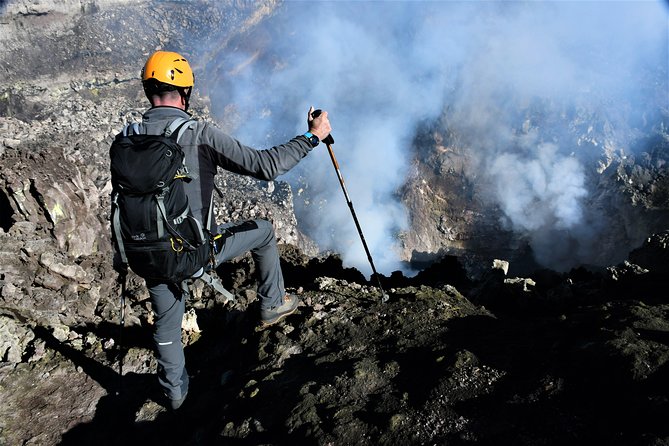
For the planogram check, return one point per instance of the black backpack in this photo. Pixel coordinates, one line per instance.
(155, 232)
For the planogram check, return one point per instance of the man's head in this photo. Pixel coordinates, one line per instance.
(167, 79)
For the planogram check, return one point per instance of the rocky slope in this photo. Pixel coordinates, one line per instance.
(453, 357)
(578, 358)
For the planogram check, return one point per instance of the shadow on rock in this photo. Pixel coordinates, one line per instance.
(567, 380)
(115, 411)
(133, 412)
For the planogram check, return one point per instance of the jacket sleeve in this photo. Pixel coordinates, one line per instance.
(266, 164)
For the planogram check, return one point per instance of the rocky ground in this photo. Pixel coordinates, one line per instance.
(556, 359)
(453, 357)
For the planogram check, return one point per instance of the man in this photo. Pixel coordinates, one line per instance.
(168, 81)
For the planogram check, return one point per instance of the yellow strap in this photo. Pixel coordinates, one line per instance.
(181, 244)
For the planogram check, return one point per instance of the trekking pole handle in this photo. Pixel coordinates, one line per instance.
(328, 139)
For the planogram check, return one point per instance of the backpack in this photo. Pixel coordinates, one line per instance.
(154, 230)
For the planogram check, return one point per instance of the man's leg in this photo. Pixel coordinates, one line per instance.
(168, 305)
(256, 236)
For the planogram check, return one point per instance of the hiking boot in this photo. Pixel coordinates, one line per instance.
(176, 404)
(273, 315)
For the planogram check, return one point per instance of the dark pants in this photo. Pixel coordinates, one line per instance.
(168, 300)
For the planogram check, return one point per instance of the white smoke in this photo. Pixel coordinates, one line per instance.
(379, 68)
(544, 191)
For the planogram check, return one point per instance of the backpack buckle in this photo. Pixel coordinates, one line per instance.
(163, 192)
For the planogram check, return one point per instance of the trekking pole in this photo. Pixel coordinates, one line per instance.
(120, 336)
(329, 140)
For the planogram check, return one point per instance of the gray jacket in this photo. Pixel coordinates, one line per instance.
(207, 148)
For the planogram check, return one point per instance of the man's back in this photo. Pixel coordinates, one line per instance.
(206, 148)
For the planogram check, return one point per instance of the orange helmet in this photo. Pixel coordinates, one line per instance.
(169, 68)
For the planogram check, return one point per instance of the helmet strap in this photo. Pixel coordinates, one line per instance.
(185, 94)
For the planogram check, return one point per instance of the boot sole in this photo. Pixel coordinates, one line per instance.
(279, 318)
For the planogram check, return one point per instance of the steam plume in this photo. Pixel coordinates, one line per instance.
(379, 68)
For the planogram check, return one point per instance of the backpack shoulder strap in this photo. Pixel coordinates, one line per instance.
(116, 227)
(172, 126)
(179, 125)
(184, 127)
(131, 129)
